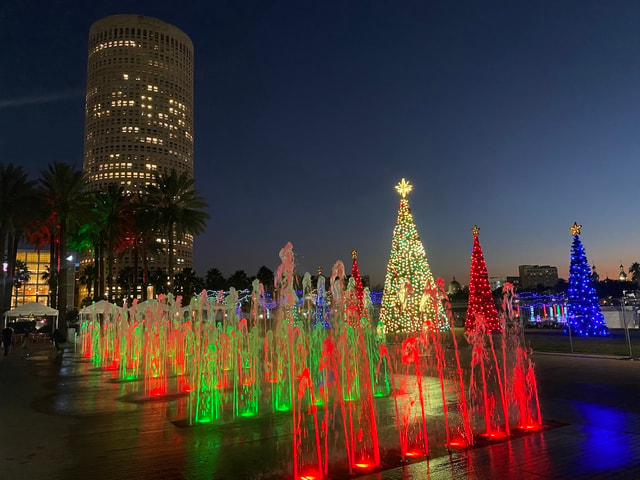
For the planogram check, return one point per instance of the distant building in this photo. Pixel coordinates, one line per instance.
(139, 109)
(623, 276)
(533, 275)
(35, 288)
(454, 287)
(498, 282)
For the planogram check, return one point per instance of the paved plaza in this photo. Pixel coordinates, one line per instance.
(62, 419)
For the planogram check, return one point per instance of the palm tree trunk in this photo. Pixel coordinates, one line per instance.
(12, 253)
(3, 274)
(101, 273)
(96, 271)
(134, 253)
(145, 273)
(110, 298)
(53, 275)
(62, 275)
(170, 260)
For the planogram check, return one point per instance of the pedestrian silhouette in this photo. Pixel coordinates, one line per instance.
(58, 338)
(7, 339)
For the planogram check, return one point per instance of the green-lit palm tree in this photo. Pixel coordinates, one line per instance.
(17, 207)
(178, 210)
(62, 187)
(104, 232)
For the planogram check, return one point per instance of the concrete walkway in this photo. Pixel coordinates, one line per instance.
(62, 419)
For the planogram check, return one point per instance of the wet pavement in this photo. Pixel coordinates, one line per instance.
(63, 419)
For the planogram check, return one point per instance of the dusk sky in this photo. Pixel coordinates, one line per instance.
(518, 116)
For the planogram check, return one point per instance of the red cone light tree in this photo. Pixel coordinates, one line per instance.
(481, 311)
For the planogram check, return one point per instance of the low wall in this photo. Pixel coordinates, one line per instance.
(614, 318)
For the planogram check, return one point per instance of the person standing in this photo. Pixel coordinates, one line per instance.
(7, 339)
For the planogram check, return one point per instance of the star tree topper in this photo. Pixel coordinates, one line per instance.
(403, 188)
(475, 230)
(354, 253)
(575, 229)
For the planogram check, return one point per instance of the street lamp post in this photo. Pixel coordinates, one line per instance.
(626, 327)
(568, 324)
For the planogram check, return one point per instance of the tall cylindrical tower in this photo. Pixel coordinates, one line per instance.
(139, 107)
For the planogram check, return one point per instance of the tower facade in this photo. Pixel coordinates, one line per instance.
(139, 107)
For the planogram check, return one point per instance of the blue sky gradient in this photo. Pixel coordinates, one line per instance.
(521, 117)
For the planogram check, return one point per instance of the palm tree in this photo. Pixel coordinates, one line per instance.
(17, 206)
(158, 279)
(21, 275)
(86, 241)
(126, 281)
(143, 241)
(239, 280)
(187, 283)
(105, 231)
(634, 270)
(215, 280)
(178, 210)
(265, 276)
(87, 278)
(62, 186)
(112, 210)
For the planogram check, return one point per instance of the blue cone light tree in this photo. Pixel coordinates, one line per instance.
(583, 308)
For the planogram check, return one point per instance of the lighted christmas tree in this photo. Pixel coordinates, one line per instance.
(409, 280)
(355, 273)
(321, 313)
(584, 316)
(481, 305)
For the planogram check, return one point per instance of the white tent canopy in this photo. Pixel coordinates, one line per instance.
(32, 309)
(98, 307)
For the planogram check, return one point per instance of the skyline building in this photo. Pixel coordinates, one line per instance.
(534, 275)
(139, 109)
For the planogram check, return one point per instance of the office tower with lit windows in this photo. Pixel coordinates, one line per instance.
(139, 107)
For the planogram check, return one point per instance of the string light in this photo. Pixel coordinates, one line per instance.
(410, 300)
(481, 304)
(583, 306)
(355, 273)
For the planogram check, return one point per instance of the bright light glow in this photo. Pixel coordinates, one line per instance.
(410, 301)
(458, 443)
(584, 316)
(414, 454)
(481, 303)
